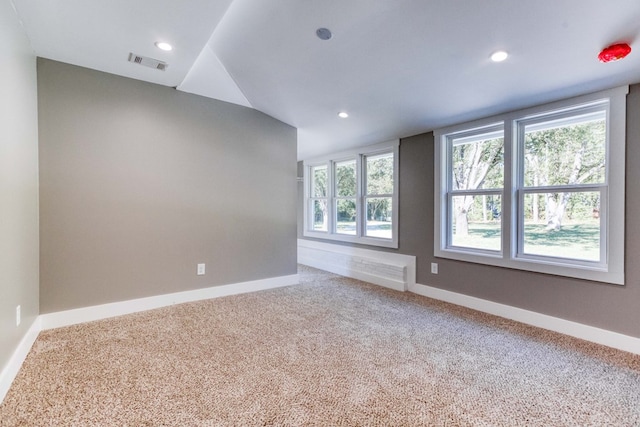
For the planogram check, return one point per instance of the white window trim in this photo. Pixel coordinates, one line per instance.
(612, 270)
(358, 154)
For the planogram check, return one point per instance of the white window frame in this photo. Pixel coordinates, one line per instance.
(359, 155)
(612, 218)
(312, 198)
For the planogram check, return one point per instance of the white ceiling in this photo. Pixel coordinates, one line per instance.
(398, 67)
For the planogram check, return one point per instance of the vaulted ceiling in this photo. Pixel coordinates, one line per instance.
(398, 67)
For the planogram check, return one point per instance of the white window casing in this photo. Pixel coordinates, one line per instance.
(609, 267)
(359, 155)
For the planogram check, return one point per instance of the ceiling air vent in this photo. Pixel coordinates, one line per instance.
(148, 62)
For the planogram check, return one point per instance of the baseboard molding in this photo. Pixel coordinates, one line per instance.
(567, 327)
(97, 312)
(104, 311)
(19, 355)
(391, 270)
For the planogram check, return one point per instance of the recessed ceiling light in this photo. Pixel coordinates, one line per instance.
(164, 46)
(343, 115)
(499, 56)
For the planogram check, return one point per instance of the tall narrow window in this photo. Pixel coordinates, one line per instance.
(379, 195)
(346, 197)
(353, 196)
(318, 200)
(475, 196)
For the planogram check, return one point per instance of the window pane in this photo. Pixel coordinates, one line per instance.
(379, 223)
(478, 162)
(320, 217)
(319, 181)
(566, 152)
(380, 174)
(476, 222)
(346, 216)
(346, 179)
(565, 225)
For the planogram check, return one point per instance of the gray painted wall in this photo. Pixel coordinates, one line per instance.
(611, 307)
(18, 183)
(139, 183)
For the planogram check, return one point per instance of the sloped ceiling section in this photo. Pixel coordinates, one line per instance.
(100, 34)
(397, 67)
(209, 78)
(403, 67)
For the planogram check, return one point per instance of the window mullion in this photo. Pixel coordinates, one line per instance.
(604, 230)
(361, 208)
(331, 192)
(448, 222)
(513, 223)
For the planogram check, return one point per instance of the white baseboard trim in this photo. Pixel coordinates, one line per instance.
(97, 312)
(567, 327)
(19, 355)
(388, 269)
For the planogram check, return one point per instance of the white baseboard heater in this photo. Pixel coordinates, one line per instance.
(395, 271)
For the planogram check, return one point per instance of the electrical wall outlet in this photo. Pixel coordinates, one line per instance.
(18, 316)
(200, 270)
(434, 268)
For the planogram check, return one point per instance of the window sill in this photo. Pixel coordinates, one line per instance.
(544, 266)
(370, 241)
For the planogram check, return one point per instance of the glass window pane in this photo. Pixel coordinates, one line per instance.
(564, 225)
(346, 179)
(319, 215)
(379, 217)
(478, 162)
(346, 216)
(566, 152)
(380, 174)
(319, 181)
(476, 222)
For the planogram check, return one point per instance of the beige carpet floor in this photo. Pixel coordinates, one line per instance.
(329, 352)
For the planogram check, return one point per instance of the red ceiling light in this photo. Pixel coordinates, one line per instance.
(614, 52)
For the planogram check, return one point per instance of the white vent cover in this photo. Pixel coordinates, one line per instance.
(148, 62)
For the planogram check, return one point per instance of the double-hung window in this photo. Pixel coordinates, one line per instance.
(475, 188)
(318, 183)
(540, 189)
(352, 196)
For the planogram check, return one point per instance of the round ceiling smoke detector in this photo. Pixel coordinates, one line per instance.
(323, 33)
(614, 52)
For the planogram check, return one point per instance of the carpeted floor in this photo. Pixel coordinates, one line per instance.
(329, 352)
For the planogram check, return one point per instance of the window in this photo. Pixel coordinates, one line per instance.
(477, 180)
(540, 189)
(319, 201)
(352, 196)
(379, 195)
(346, 192)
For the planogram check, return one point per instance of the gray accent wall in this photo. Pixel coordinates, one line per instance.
(140, 182)
(18, 183)
(612, 307)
